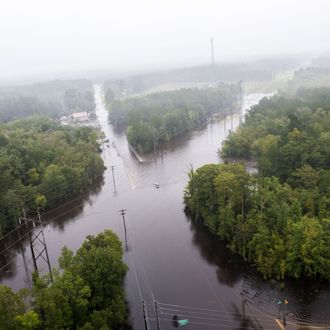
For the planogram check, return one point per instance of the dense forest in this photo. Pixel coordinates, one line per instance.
(279, 219)
(86, 294)
(159, 117)
(54, 98)
(43, 164)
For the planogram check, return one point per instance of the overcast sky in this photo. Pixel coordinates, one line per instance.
(56, 36)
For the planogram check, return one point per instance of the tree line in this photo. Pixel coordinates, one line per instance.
(43, 164)
(53, 99)
(258, 70)
(279, 219)
(159, 117)
(87, 292)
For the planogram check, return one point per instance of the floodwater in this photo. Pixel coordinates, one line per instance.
(171, 260)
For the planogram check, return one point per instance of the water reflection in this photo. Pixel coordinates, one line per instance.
(245, 321)
(305, 296)
(15, 252)
(214, 251)
(61, 216)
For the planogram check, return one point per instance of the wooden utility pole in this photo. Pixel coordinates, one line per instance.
(122, 213)
(113, 176)
(144, 315)
(157, 316)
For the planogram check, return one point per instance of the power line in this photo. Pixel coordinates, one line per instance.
(136, 278)
(7, 264)
(30, 231)
(11, 245)
(210, 324)
(213, 314)
(9, 233)
(223, 318)
(58, 206)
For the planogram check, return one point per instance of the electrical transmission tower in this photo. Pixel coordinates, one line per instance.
(37, 241)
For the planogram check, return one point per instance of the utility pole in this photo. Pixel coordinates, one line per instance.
(284, 311)
(122, 213)
(144, 315)
(157, 316)
(279, 303)
(113, 176)
(37, 236)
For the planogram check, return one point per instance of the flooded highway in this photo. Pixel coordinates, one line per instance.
(175, 265)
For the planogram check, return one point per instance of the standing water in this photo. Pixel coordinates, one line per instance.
(171, 260)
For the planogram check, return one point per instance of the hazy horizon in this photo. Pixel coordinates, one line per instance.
(53, 39)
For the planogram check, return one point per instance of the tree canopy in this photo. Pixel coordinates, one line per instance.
(278, 219)
(86, 294)
(43, 164)
(159, 117)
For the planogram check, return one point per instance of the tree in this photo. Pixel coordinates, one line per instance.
(89, 293)
(308, 251)
(13, 312)
(43, 164)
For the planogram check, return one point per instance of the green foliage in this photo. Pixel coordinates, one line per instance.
(159, 117)
(13, 314)
(28, 321)
(285, 134)
(43, 164)
(279, 229)
(89, 294)
(279, 219)
(64, 304)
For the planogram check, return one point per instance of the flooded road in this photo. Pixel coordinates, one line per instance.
(171, 260)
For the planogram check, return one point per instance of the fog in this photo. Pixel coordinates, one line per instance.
(43, 37)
